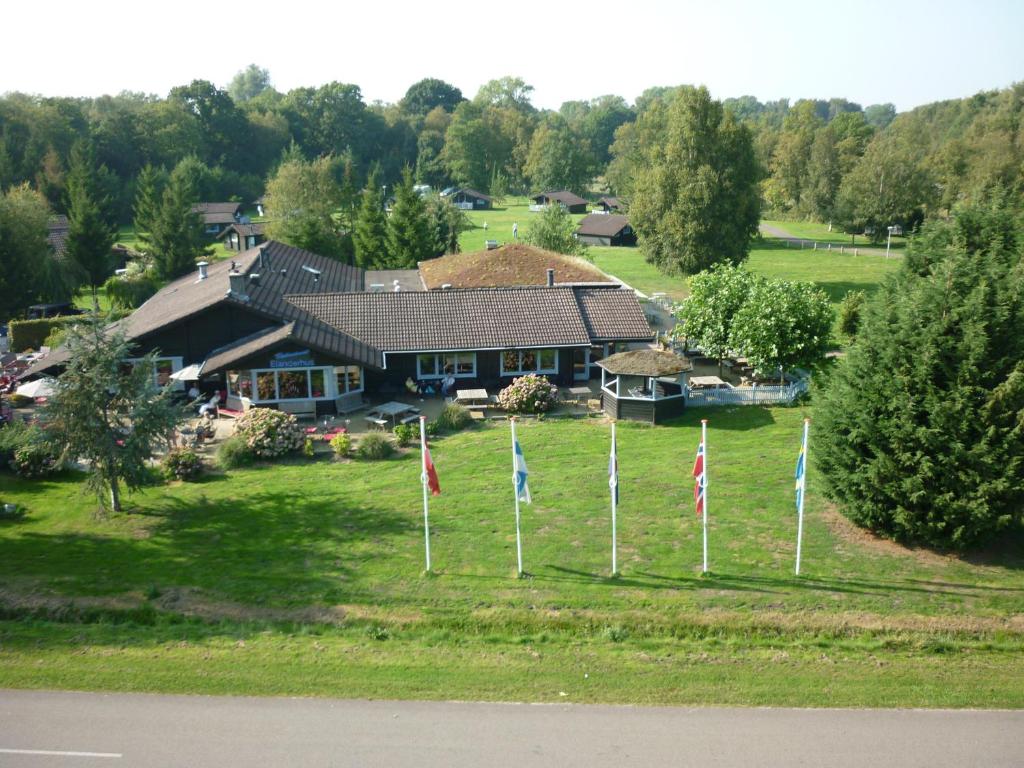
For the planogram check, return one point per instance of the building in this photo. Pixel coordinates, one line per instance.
(468, 199)
(283, 327)
(242, 237)
(515, 264)
(571, 202)
(217, 216)
(605, 229)
(610, 205)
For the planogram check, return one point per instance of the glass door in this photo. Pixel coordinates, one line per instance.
(581, 364)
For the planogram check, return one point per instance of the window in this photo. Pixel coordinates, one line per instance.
(436, 366)
(292, 385)
(164, 369)
(518, 361)
(266, 386)
(349, 378)
(240, 383)
(316, 382)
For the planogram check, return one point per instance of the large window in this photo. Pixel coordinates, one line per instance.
(436, 366)
(515, 362)
(296, 383)
(240, 383)
(349, 378)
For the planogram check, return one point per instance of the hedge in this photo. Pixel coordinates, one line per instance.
(32, 334)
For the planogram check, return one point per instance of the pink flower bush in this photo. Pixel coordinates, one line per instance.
(528, 394)
(269, 433)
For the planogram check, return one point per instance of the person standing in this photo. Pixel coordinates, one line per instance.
(515, 230)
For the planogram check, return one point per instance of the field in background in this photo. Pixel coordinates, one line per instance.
(313, 582)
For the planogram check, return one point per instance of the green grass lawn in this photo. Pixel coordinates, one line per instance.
(813, 230)
(308, 580)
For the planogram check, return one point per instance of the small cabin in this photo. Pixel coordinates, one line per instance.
(468, 199)
(242, 237)
(644, 385)
(570, 202)
(605, 229)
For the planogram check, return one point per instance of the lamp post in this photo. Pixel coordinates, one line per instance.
(888, 242)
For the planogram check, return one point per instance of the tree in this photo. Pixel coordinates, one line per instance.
(785, 188)
(149, 188)
(554, 230)
(110, 413)
(558, 158)
(850, 312)
(706, 315)
(920, 429)
(428, 94)
(223, 128)
(409, 238)
(783, 325)
(370, 235)
(29, 270)
(698, 203)
(249, 83)
(177, 238)
(90, 237)
(446, 223)
(302, 198)
(880, 115)
(506, 91)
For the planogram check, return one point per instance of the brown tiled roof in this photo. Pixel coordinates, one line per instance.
(231, 208)
(507, 266)
(611, 202)
(612, 314)
(245, 229)
(58, 221)
(454, 319)
(562, 196)
(602, 224)
(471, 193)
(222, 357)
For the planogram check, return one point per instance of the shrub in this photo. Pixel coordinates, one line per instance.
(32, 334)
(341, 444)
(454, 417)
(234, 453)
(528, 394)
(18, 401)
(128, 292)
(269, 433)
(181, 464)
(14, 436)
(375, 446)
(405, 434)
(433, 429)
(34, 459)
(307, 448)
(850, 311)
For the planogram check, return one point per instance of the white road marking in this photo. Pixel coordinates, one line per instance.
(57, 753)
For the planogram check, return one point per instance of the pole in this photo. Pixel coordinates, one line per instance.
(615, 493)
(423, 480)
(803, 493)
(704, 442)
(515, 493)
(888, 243)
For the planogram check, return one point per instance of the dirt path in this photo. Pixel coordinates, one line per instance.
(781, 234)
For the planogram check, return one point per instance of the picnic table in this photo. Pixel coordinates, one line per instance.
(472, 396)
(379, 414)
(706, 382)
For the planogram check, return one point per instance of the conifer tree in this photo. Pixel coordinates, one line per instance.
(920, 430)
(149, 189)
(177, 238)
(409, 237)
(371, 227)
(90, 237)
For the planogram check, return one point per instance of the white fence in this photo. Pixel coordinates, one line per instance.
(767, 395)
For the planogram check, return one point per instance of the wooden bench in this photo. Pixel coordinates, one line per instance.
(411, 419)
(300, 409)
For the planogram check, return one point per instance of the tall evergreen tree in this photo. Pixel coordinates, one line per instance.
(371, 228)
(90, 237)
(409, 238)
(178, 238)
(149, 189)
(920, 430)
(698, 203)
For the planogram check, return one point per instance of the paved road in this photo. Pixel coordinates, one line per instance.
(199, 731)
(781, 234)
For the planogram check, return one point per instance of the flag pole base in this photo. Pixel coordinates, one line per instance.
(524, 575)
(615, 575)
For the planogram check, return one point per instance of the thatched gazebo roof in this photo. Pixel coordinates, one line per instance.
(645, 362)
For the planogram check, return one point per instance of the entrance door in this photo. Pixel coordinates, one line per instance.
(581, 364)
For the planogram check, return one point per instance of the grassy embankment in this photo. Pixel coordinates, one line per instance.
(307, 579)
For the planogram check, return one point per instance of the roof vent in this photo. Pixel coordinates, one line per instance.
(254, 278)
(284, 273)
(202, 269)
(551, 278)
(236, 281)
(397, 287)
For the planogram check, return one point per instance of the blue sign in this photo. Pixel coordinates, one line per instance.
(301, 359)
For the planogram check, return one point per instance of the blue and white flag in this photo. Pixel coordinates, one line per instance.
(521, 475)
(800, 476)
(613, 471)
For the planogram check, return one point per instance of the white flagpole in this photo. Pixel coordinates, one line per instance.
(803, 494)
(704, 442)
(615, 493)
(515, 492)
(423, 480)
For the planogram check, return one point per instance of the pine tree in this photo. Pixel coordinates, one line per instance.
(371, 227)
(149, 189)
(409, 238)
(90, 237)
(920, 430)
(177, 237)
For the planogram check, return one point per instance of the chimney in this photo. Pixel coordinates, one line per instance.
(551, 278)
(202, 269)
(236, 281)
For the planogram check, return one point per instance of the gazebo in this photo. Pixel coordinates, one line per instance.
(644, 385)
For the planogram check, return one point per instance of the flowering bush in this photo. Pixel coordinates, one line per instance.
(34, 459)
(269, 433)
(182, 464)
(528, 394)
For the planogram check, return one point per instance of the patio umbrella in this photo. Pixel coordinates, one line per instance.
(37, 388)
(188, 373)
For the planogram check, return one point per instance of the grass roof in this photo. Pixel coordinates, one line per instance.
(645, 362)
(509, 265)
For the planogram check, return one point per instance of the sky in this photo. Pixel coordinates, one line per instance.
(905, 52)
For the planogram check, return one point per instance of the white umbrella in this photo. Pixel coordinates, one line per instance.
(37, 388)
(188, 373)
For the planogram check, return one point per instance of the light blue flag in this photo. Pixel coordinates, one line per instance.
(522, 487)
(800, 477)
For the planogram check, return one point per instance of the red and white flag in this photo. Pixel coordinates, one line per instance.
(430, 472)
(698, 479)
